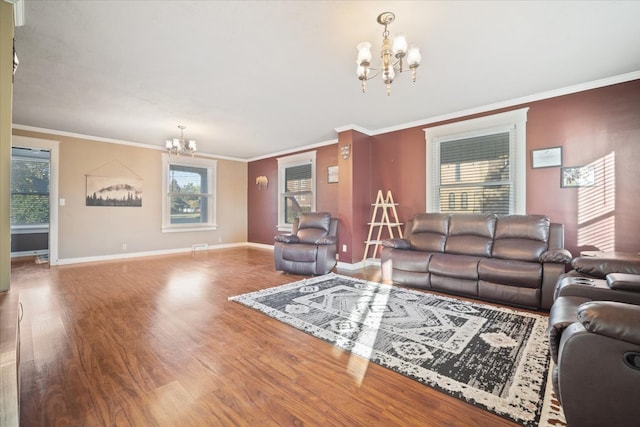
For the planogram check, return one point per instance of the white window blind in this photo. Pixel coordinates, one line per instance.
(296, 187)
(298, 192)
(475, 174)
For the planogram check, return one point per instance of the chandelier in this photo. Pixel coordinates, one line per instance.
(391, 54)
(180, 145)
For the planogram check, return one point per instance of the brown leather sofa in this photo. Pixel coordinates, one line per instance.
(511, 259)
(311, 247)
(594, 341)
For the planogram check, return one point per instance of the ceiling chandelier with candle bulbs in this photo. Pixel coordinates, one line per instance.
(392, 55)
(180, 145)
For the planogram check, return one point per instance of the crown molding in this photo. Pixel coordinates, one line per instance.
(116, 141)
(609, 81)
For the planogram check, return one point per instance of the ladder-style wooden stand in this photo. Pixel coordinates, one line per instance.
(384, 215)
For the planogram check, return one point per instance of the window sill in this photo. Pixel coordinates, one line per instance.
(178, 229)
(285, 227)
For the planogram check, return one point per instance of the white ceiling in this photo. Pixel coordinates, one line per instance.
(252, 78)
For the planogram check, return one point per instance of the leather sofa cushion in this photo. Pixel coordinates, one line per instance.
(311, 235)
(519, 249)
(416, 261)
(483, 225)
(457, 266)
(510, 272)
(429, 232)
(471, 234)
(313, 226)
(430, 222)
(301, 252)
(530, 227)
(469, 245)
(428, 242)
(321, 220)
(521, 237)
(515, 295)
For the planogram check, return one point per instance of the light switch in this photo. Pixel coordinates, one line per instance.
(62, 202)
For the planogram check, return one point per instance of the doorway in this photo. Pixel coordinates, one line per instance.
(35, 152)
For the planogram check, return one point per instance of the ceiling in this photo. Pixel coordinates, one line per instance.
(254, 78)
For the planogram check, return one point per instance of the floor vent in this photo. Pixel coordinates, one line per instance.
(200, 247)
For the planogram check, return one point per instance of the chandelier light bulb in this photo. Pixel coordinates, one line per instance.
(364, 53)
(414, 57)
(399, 46)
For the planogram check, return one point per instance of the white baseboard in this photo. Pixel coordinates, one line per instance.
(259, 245)
(112, 257)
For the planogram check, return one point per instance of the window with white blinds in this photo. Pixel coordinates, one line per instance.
(296, 184)
(478, 166)
(475, 174)
(188, 194)
(29, 187)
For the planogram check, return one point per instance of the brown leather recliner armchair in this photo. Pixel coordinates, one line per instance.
(311, 247)
(594, 339)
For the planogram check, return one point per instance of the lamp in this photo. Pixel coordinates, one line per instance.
(391, 55)
(179, 145)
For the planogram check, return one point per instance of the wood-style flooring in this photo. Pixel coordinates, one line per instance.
(155, 342)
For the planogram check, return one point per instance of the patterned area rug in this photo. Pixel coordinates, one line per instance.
(495, 358)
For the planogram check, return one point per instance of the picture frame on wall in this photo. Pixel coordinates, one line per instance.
(577, 176)
(546, 157)
(332, 174)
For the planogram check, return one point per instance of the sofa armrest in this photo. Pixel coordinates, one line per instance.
(287, 238)
(601, 266)
(396, 243)
(559, 256)
(327, 240)
(562, 314)
(623, 281)
(615, 320)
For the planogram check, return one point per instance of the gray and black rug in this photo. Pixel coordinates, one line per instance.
(495, 358)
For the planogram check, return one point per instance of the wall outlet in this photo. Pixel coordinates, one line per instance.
(124, 246)
(344, 248)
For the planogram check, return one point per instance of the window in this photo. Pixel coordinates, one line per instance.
(296, 187)
(29, 189)
(188, 194)
(478, 165)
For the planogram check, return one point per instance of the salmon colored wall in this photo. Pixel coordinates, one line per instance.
(263, 203)
(599, 127)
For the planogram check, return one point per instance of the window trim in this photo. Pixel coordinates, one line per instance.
(512, 121)
(283, 164)
(212, 180)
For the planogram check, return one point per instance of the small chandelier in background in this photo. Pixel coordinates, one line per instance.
(179, 145)
(391, 55)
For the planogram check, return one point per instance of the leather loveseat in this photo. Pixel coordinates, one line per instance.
(511, 259)
(594, 341)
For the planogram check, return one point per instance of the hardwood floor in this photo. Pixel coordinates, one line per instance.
(154, 342)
